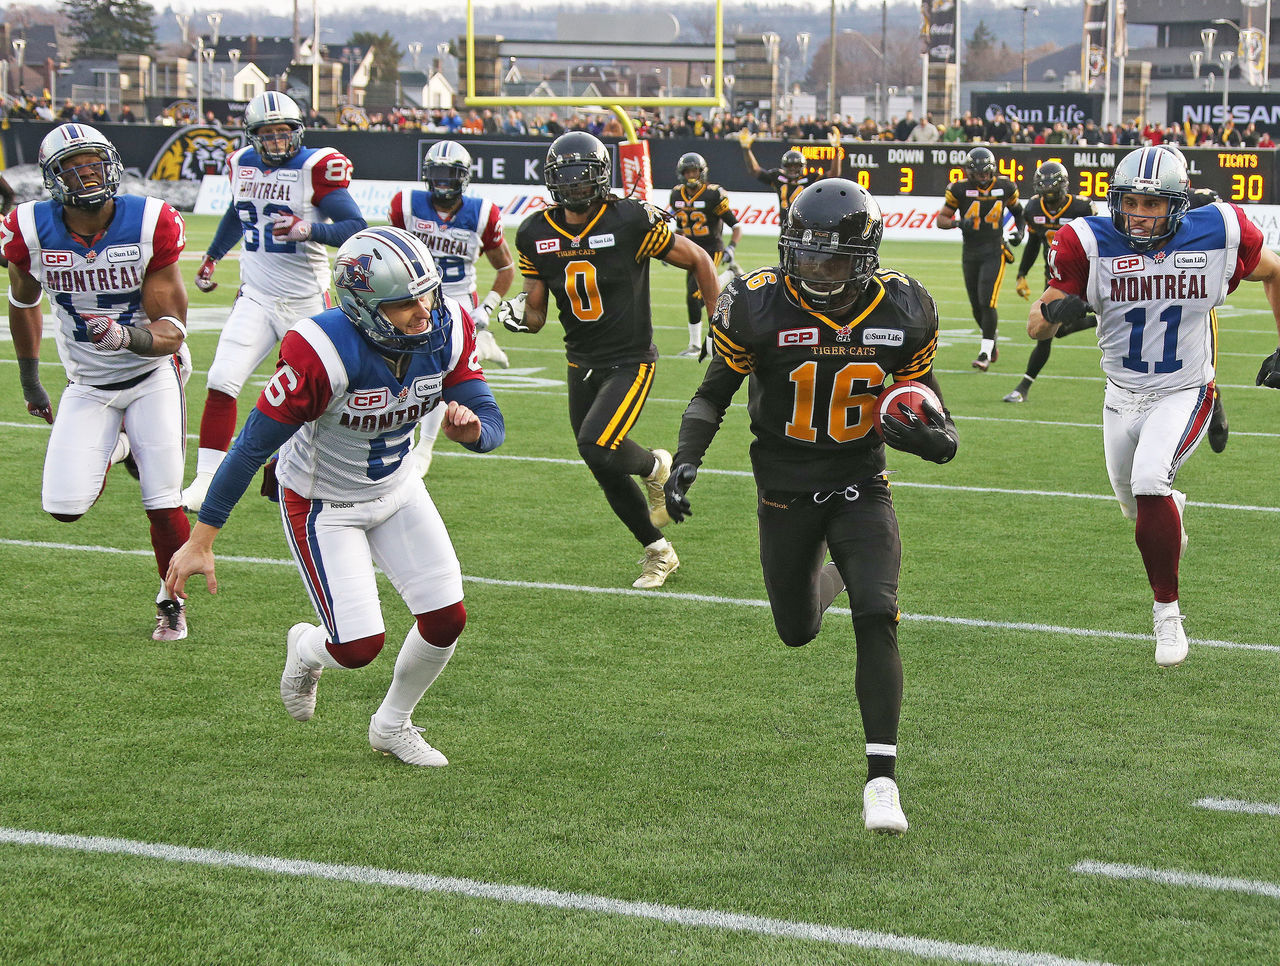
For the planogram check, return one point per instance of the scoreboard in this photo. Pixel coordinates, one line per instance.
(1240, 175)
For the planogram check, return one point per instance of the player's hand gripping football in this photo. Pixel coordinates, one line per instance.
(676, 491)
(204, 276)
(1022, 288)
(1268, 374)
(511, 314)
(290, 228)
(1070, 313)
(932, 440)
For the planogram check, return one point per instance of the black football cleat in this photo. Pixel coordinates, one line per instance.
(1218, 429)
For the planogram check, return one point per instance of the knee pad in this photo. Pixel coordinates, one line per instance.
(358, 653)
(599, 459)
(442, 627)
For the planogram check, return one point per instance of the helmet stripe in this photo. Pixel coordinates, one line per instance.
(391, 238)
(73, 133)
(1152, 163)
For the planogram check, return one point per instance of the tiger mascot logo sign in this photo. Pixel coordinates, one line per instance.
(194, 152)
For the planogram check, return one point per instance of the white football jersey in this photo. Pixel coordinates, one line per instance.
(1156, 322)
(260, 192)
(103, 279)
(456, 242)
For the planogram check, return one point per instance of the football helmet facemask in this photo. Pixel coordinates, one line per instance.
(577, 170)
(272, 107)
(793, 163)
(980, 165)
(88, 186)
(691, 169)
(1050, 183)
(446, 171)
(1149, 171)
(830, 245)
(378, 266)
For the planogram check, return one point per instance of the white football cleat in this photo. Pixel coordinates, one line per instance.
(407, 744)
(1015, 397)
(1171, 640)
(1180, 499)
(193, 496)
(298, 682)
(881, 807)
(691, 351)
(171, 621)
(658, 565)
(489, 349)
(654, 482)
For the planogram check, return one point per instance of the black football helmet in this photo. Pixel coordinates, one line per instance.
(793, 163)
(830, 245)
(1050, 183)
(692, 169)
(980, 165)
(577, 171)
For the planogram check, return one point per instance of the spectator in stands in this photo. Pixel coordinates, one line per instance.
(1228, 136)
(473, 123)
(926, 132)
(316, 119)
(1092, 134)
(1264, 140)
(43, 111)
(902, 130)
(1152, 134)
(1173, 134)
(553, 128)
(1058, 135)
(1205, 135)
(491, 125)
(954, 133)
(613, 127)
(1129, 135)
(68, 111)
(868, 130)
(974, 128)
(997, 129)
(452, 122)
(1249, 136)
(126, 115)
(514, 125)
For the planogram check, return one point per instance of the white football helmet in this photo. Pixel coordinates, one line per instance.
(446, 171)
(69, 188)
(385, 264)
(1150, 171)
(272, 107)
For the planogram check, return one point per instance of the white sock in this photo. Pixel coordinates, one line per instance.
(988, 347)
(208, 460)
(121, 449)
(417, 666)
(161, 595)
(1160, 610)
(313, 652)
(428, 430)
(661, 543)
(695, 333)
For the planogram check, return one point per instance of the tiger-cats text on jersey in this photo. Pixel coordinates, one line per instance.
(599, 275)
(700, 215)
(980, 212)
(814, 381)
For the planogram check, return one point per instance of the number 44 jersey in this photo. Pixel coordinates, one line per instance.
(1156, 322)
(814, 380)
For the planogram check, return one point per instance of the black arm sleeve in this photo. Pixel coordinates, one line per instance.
(1029, 254)
(706, 411)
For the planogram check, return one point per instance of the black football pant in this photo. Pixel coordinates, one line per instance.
(983, 274)
(603, 406)
(858, 527)
(1040, 352)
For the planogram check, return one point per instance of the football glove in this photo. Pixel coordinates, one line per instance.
(746, 138)
(270, 485)
(729, 251)
(1006, 253)
(1022, 288)
(290, 228)
(935, 440)
(204, 277)
(511, 314)
(676, 491)
(33, 392)
(480, 314)
(1070, 313)
(834, 137)
(1268, 375)
(1018, 237)
(106, 334)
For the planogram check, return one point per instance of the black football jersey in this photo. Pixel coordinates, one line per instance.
(787, 187)
(701, 215)
(1199, 197)
(598, 274)
(813, 381)
(1043, 223)
(980, 212)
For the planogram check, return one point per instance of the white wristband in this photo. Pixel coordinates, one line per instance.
(177, 322)
(25, 305)
(491, 300)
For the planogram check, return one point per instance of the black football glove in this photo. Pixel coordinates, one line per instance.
(1269, 374)
(1018, 237)
(271, 485)
(935, 440)
(676, 490)
(1070, 313)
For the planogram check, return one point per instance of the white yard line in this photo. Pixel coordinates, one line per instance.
(1174, 877)
(364, 875)
(1235, 805)
(1088, 632)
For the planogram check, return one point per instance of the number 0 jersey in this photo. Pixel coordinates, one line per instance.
(980, 212)
(103, 279)
(259, 192)
(599, 275)
(814, 381)
(1156, 322)
(1043, 223)
(456, 241)
(702, 214)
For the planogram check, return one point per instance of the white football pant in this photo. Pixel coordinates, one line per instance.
(257, 323)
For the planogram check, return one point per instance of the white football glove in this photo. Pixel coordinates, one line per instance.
(287, 227)
(480, 314)
(106, 334)
(511, 314)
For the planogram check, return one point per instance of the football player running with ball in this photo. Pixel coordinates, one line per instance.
(1153, 272)
(591, 250)
(287, 203)
(818, 336)
(110, 267)
(395, 349)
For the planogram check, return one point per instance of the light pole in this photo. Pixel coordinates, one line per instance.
(206, 55)
(184, 20)
(215, 19)
(20, 50)
(831, 67)
(1226, 57)
(415, 48)
(234, 56)
(1025, 10)
(199, 79)
(1196, 57)
(729, 81)
(771, 41)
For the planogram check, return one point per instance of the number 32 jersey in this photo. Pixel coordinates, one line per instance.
(260, 192)
(814, 381)
(1156, 322)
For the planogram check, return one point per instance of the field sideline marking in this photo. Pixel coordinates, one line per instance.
(693, 598)
(1173, 877)
(1235, 805)
(545, 898)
